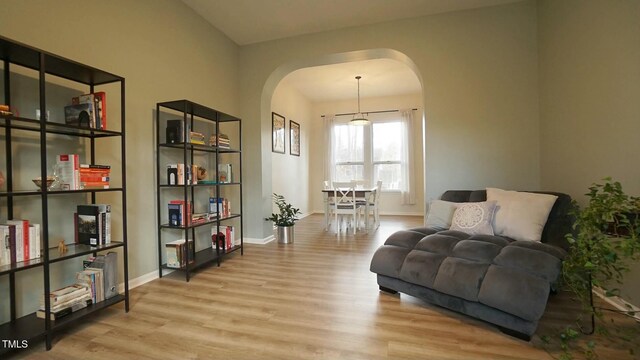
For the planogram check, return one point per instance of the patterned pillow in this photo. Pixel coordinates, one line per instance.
(474, 218)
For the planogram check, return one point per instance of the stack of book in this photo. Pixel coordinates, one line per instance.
(196, 138)
(219, 206)
(93, 224)
(93, 279)
(176, 174)
(94, 176)
(180, 212)
(65, 301)
(19, 241)
(177, 253)
(220, 140)
(107, 268)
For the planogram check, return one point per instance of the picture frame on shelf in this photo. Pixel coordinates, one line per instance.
(277, 133)
(294, 138)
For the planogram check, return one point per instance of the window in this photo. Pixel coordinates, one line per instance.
(372, 152)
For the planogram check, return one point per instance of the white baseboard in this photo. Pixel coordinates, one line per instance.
(617, 302)
(266, 240)
(141, 280)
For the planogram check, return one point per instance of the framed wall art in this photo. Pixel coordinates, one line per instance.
(277, 133)
(294, 138)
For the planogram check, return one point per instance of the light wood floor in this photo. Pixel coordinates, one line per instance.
(314, 299)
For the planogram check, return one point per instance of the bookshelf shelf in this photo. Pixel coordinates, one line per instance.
(43, 137)
(26, 124)
(173, 143)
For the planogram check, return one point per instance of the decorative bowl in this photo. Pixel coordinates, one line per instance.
(38, 181)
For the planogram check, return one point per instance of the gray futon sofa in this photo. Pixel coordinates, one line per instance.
(492, 278)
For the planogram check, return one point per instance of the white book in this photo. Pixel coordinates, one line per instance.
(5, 249)
(36, 241)
(69, 170)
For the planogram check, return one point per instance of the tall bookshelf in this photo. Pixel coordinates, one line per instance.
(210, 123)
(44, 135)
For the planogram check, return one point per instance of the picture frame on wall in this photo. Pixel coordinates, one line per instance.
(294, 138)
(277, 133)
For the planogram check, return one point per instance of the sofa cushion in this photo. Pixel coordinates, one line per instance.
(520, 215)
(515, 292)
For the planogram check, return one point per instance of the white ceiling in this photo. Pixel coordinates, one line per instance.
(381, 77)
(252, 21)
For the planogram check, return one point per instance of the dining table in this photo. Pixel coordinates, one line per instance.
(364, 193)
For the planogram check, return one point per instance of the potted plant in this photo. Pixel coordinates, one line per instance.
(285, 219)
(604, 240)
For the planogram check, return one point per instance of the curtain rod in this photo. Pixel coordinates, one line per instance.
(368, 112)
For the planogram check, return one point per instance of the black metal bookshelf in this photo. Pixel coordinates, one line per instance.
(14, 54)
(191, 113)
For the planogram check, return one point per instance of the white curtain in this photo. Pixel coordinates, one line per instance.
(329, 163)
(408, 187)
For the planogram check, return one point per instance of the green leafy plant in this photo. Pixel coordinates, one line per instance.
(604, 240)
(288, 214)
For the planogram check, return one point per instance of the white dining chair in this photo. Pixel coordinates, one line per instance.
(345, 204)
(329, 206)
(373, 204)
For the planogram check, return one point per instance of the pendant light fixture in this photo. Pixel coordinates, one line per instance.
(359, 119)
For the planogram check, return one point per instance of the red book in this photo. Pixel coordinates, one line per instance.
(101, 102)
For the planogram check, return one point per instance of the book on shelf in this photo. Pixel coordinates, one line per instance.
(220, 206)
(176, 174)
(225, 174)
(7, 244)
(21, 239)
(196, 138)
(179, 212)
(177, 253)
(65, 294)
(93, 224)
(94, 105)
(93, 279)
(69, 169)
(78, 305)
(80, 115)
(101, 111)
(220, 140)
(109, 265)
(94, 176)
(35, 241)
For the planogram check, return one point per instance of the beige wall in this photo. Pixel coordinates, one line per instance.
(290, 174)
(590, 98)
(165, 52)
(390, 202)
(479, 74)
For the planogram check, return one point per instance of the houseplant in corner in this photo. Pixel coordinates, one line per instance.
(605, 239)
(285, 219)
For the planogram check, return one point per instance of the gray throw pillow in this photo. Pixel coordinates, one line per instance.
(440, 214)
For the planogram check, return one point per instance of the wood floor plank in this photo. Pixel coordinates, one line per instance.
(313, 299)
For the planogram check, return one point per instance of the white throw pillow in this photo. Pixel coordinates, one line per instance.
(474, 218)
(440, 214)
(520, 215)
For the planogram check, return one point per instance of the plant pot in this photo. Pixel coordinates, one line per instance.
(285, 234)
